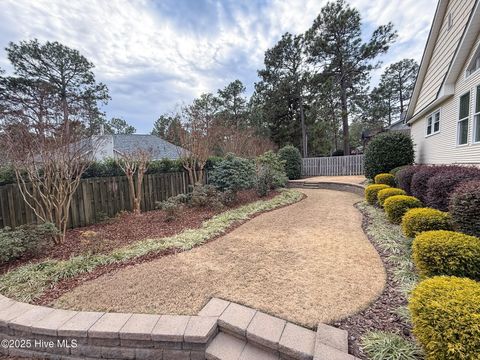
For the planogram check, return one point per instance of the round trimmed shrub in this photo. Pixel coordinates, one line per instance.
(233, 173)
(403, 177)
(371, 192)
(445, 315)
(419, 220)
(387, 151)
(394, 171)
(441, 186)
(465, 207)
(396, 206)
(442, 252)
(418, 187)
(386, 193)
(387, 179)
(293, 161)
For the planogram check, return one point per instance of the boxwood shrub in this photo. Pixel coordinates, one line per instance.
(396, 206)
(445, 315)
(418, 186)
(465, 207)
(387, 151)
(403, 178)
(371, 192)
(442, 252)
(387, 179)
(233, 173)
(419, 220)
(386, 193)
(293, 161)
(443, 183)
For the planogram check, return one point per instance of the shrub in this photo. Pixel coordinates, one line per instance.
(205, 196)
(172, 206)
(443, 183)
(371, 192)
(212, 161)
(442, 252)
(379, 345)
(293, 161)
(418, 185)
(396, 206)
(419, 220)
(394, 171)
(27, 239)
(387, 179)
(270, 172)
(465, 207)
(387, 151)
(403, 177)
(386, 193)
(445, 316)
(7, 175)
(338, 152)
(233, 173)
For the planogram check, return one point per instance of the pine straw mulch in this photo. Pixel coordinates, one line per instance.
(380, 315)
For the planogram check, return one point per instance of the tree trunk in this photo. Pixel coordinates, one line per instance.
(304, 130)
(344, 105)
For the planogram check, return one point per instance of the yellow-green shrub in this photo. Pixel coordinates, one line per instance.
(386, 193)
(385, 178)
(396, 206)
(446, 318)
(419, 220)
(371, 192)
(444, 252)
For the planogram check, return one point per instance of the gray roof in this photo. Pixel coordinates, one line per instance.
(160, 148)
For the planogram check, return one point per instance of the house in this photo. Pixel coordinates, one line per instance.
(114, 146)
(444, 111)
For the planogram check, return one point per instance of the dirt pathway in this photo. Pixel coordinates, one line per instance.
(309, 262)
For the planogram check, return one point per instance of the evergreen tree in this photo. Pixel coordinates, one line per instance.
(118, 126)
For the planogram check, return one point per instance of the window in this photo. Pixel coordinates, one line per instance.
(476, 117)
(433, 123)
(474, 63)
(462, 127)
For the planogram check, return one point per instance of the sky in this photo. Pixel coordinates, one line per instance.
(155, 55)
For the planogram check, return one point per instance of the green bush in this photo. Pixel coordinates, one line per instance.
(7, 175)
(206, 196)
(442, 252)
(27, 239)
(396, 206)
(371, 192)
(388, 192)
(379, 345)
(387, 179)
(465, 207)
(233, 173)
(446, 318)
(387, 151)
(419, 220)
(270, 173)
(293, 161)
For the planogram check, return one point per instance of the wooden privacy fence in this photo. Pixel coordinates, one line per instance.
(95, 199)
(334, 166)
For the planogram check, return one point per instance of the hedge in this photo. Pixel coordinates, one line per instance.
(293, 161)
(446, 318)
(441, 186)
(442, 252)
(371, 192)
(419, 220)
(386, 193)
(387, 179)
(387, 151)
(465, 207)
(403, 178)
(396, 206)
(419, 183)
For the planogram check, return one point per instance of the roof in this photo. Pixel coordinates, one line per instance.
(124, 144)
(459, 58)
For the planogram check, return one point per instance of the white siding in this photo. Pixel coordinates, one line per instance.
(444, 50)
(441, 148)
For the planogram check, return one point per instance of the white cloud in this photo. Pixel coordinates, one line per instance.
(154, 55)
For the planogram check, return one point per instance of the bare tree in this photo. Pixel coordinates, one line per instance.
(135, 165)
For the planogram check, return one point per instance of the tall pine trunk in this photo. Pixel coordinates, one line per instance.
(344, 105)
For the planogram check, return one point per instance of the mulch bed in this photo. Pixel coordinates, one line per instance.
(380, 315)
(127, 228)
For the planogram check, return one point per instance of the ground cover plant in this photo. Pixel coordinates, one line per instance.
(28, 282)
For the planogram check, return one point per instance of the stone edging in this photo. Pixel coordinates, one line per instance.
(328, 185)
(41, 332)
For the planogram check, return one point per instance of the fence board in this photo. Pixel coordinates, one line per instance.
(334, 166)
(93, 197)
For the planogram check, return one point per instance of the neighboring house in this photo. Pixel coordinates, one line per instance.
(114, 146)
(444, 111)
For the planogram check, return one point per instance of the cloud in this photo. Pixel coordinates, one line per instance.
(155, 54)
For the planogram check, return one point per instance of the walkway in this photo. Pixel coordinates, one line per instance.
(307, 263)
